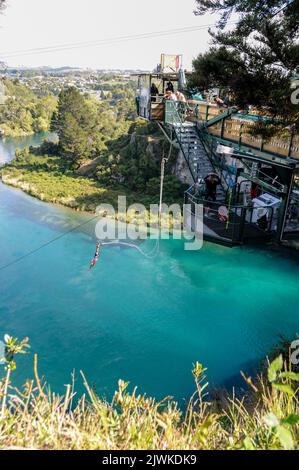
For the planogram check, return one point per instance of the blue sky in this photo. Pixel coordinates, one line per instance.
(30, 24)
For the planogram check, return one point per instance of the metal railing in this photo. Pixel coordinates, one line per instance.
(233, 223)
(175, 112)
(176, 117)
(230, 125)
(218, 163)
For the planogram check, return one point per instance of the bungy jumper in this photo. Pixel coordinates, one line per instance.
(96, 256)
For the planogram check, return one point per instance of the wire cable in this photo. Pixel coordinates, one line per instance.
(44, 245)
(104, 41)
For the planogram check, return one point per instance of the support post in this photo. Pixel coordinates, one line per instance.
(222, 128)
(163, 161)
(291, 141)
(282, 214)
(207, 113)
(240, 134)
(242, 225)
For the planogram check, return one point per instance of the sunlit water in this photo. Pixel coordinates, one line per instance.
(143, 320)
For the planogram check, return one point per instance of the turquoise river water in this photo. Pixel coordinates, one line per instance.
(143, 320)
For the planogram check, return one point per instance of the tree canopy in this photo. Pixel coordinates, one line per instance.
(23, 112)
(85, 125)
(75, 123)
(256, 56)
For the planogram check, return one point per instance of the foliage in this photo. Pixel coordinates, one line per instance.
(12, 347)
(121, 96)
(171, 189)
(285, 348)
(84, 125)
(23, 112)
(47, 148)
(48, 178)
(135, 160)
(127, 154)
(266, 417)
(122, 154)
(256, 58)
(75, 123)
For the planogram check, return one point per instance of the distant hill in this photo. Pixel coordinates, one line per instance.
(44, 69)
(65, 69)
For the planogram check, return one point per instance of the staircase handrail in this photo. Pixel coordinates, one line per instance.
(178, 123)
(220, 117)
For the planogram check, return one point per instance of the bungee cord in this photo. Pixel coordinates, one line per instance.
(156, 249)
(153, 253)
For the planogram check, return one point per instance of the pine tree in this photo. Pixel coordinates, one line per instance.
(256, 57)
(75, 123)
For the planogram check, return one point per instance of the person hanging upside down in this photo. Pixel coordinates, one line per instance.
(96, 256)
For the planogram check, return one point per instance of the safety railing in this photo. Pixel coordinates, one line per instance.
(238, 128)
(292, 219)
(176, 117)
(231, 125)
(232, 223)
(225, 172)
(202, 112)
(175, 112)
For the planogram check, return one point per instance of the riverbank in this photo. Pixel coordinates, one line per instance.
(41, 177)
(46, 178)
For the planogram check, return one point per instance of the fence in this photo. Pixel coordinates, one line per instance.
(232, 224)
(237, 128)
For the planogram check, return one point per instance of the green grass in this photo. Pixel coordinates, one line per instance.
(265, 418)
(45, 178)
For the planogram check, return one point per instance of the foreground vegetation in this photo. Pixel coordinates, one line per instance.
(267, 417)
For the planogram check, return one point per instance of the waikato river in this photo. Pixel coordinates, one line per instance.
(143, 320)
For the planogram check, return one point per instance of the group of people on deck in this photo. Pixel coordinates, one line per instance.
(170, 94)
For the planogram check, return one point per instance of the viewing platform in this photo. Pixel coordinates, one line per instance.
(258, 194)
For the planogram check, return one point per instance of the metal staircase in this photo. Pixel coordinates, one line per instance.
(188, 138)
(193, 150)
(195, 154)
